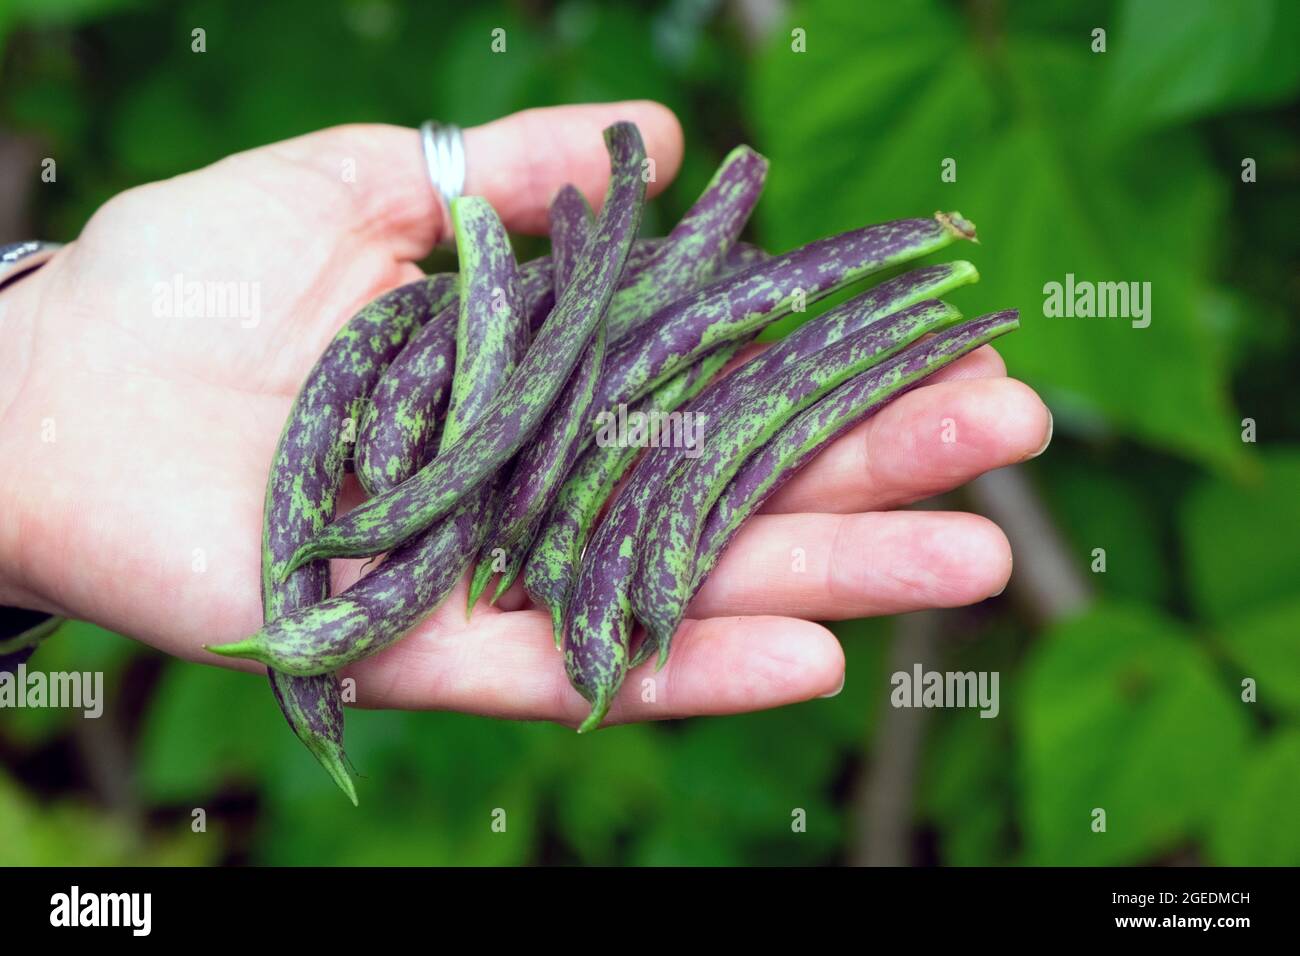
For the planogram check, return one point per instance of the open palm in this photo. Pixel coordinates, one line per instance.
(142, 432)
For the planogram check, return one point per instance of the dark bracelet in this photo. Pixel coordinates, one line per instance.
(19, 258)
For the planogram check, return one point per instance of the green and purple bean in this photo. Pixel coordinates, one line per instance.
(481, 395)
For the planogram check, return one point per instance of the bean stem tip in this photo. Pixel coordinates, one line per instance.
(599, 708)
(958, 224)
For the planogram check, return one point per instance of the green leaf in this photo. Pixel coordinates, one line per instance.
(1243, 538)
(50, 13)
(859, 126)
(1259, 825)
(390, 828)
(1128, 527)
(82, 646)
(608, 788)
(67, 833)
(208, 726)
(1266, 645)
(605, 52)
(966, 789)
(476, 84)
(1123, 712)
(737, 787)
(1184, 59)
(849, 718)
(74, 646)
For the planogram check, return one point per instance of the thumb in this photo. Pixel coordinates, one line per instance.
(518, 163)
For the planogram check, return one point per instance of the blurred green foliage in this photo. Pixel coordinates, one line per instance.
(1123, 165)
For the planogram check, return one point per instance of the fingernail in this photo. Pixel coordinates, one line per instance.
(836, 691)
(1048, 440)
(1011, 561)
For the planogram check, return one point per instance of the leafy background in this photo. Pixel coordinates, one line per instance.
(1122, 165)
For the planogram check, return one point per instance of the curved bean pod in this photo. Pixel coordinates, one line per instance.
(599, 624)
(416, 577)
(399, 425)
(545, 464)
(554, 557)
(570, 219)
(741, 304)
(487, 328)
(536, 476)
(668, 539)
(697, 246)
(539, 468)
(302, 490)
(808, 433)
(518, 410)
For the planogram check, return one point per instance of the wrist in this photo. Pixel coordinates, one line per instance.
(19, 307)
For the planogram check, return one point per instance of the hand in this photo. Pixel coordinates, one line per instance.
(139, 439)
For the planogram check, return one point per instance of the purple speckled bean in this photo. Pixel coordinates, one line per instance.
(806, 435)
(519, 409)
(399, 425)
(302, 490)
(697, 246)
(570, 220)
(541, 466)
(668, 538)
(556, 552)
(737, 306)
(600, 619)
(599, 626)
(378, 609)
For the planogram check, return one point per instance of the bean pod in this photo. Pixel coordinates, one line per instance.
(807, 434)
(541, 466)
(518, 410)
(668, 539)
(398, 430)
(599, 623)
(746, 301)
(555, 554)
(302, 490)
(697, 246)
(570, 220)
(416, 577)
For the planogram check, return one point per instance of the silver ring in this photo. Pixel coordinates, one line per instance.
(444, 157)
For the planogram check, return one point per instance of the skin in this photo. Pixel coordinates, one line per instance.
(90, 531)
